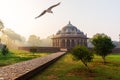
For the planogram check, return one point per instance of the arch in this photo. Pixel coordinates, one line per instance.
(72, 43)
(68, 43)
(58, 43)
(78, 42)
(63, 43)
(55, 42)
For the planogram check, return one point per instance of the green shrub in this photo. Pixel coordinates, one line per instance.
(82, 53)
(4, 50)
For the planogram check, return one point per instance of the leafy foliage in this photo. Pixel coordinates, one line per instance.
(83, 54)
(102, 45)
(4, 50)
(34, 40)
(15, 56)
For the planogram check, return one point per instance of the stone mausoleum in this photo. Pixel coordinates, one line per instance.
(68, 37)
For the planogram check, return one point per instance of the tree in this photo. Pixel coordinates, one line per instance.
(34, 40)
(82, 53)
(4, 50)
(1, 27)
(12, 39)
(103, 45)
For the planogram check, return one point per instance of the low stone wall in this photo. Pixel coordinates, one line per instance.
(24, 70)
(40, 49)
(56, 49)
(116, 50)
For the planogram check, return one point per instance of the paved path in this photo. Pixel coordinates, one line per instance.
(14, 71)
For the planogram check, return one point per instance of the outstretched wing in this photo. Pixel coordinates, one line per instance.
(54, 6)
(41, 14)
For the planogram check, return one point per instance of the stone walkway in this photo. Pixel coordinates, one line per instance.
(17, 70)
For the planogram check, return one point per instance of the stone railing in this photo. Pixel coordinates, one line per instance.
(24, 70)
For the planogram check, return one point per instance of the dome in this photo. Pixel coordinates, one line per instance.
(69, 29)
(68, 37)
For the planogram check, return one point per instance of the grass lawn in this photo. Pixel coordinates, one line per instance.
(68, 69)
(15, 56)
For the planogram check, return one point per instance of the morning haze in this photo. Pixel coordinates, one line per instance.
(91, 16)
(36, 33)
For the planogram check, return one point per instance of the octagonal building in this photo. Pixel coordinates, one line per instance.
(68, 37)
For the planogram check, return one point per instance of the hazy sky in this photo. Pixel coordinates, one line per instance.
(90, 16)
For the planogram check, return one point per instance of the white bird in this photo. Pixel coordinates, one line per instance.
(49, 10)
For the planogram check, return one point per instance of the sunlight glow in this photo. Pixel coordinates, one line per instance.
(90, 16)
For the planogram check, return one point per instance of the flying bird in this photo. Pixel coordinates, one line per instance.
(49, 10)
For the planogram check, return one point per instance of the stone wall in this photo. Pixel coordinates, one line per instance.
(116, 50)
(55, 49)
(40, 49)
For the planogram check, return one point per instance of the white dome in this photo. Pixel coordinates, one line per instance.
(69, 29)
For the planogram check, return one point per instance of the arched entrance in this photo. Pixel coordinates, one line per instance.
(68, 43)
(63, 43)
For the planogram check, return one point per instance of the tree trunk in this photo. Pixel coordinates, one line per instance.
(86, 65)
(104, 61)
